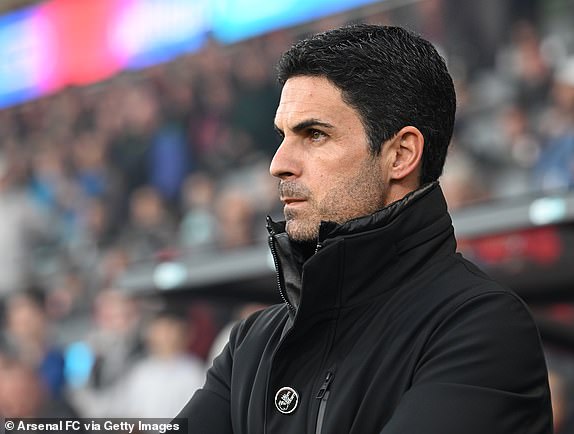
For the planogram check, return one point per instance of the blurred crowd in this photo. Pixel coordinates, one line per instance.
(173, 161)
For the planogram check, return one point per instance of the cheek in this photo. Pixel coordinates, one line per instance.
(329, 177)
(331, 191)
(323, 186)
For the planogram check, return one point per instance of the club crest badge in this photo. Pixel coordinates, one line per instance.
(286, 400)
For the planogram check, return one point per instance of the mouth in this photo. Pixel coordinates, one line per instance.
(291, 200)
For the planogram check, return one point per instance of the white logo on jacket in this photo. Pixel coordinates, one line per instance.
(286, 400)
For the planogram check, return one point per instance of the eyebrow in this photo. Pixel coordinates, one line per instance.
(307, 123)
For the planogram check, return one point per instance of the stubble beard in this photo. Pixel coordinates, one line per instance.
(347, 199)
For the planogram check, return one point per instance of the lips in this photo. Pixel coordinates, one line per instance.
(291, 200)
(292, 193)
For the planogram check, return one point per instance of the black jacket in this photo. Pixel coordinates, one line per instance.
(384, 329)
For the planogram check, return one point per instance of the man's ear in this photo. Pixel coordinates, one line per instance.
(404, 155)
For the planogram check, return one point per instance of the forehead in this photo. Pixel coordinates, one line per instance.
(310, 97)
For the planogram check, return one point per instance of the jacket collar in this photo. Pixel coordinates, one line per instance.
(364, 257)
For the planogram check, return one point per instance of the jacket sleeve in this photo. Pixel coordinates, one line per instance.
(482, 371)
(208, 411)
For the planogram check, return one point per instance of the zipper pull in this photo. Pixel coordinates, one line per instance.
(325, 387)
(269, 226)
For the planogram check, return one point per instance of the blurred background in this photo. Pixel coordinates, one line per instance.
(135, 139)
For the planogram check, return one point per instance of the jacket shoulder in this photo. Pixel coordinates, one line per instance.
(460, 280)
(260, 324)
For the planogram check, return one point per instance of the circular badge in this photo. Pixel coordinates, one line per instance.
(286, 400)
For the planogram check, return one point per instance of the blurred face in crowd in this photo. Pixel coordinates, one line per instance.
(25, 320)
(563, 94)
(21, 393)
(146, 207)
(166, 337)
(115, 313)
(326, 170)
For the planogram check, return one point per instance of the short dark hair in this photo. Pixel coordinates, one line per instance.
(392, 77)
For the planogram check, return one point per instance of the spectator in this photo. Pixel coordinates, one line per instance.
(210, 130)
(93, 234)
(150, 228)
(23, 228)
(116, 340)
(524, 64)
(170, 160)
(29, 339)
(197, 229)
(235, 214)
(92, 171)
(113, 345)
(555, 167)
(115, 261)
(22, 395)
(129, 149)
(256, 96)
(459, 181)
(159, 385)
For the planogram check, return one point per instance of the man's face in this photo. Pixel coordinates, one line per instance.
(324, 165)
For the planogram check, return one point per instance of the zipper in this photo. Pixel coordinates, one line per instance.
(277, 271)
(323, 396)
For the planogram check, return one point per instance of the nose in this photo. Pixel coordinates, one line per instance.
(285, 163)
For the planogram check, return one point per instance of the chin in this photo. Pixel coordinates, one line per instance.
(299, 231)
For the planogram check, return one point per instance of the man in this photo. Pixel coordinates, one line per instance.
(384, 328)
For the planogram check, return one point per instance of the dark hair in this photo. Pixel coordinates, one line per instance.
(392, 77)
(171, 314)
(34, 295)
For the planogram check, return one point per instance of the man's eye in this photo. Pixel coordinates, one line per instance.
(316, 134)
